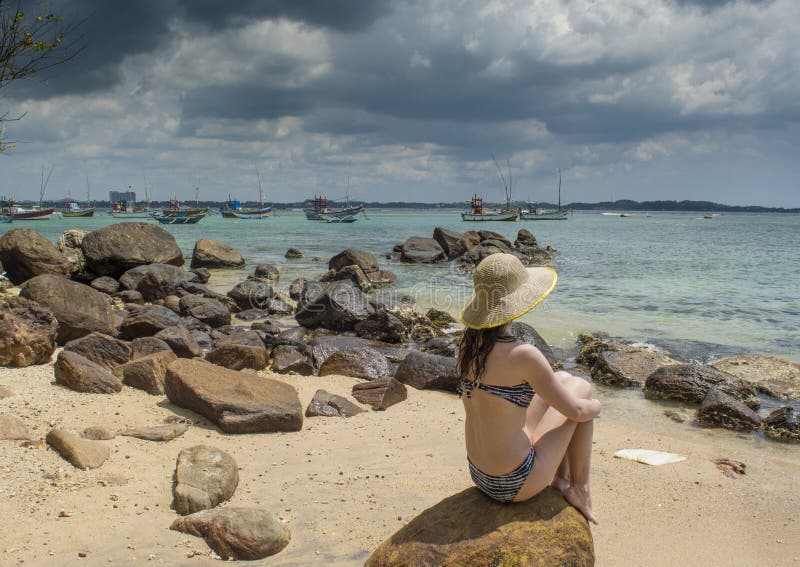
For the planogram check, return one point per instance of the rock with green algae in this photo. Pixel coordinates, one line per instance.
(470, 529)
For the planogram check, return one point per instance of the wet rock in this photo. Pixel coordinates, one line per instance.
(156, 281)
(147, 321)
(78, 308)
(382, 326)
(13, 428)
(238, 357)
(237, 534)
(203, 275)
(105, 350)
(452, 242)
(690, 383)
(293, 254)
(27, 332)
(238, 402)
(591, 348)
(148, 372)
(721, 410)
(165, 432)
(442, 346)
(364, 362)
(209, 311)
(419, 250)
(97, 433)
(215, 254)
(105, 284)
(773, 376)
(251, 294)
(204, 477)
(296, 287)
(117, 248)
(351, 257)
(783, 424)
(82, 375)
(628, 367)
(252, 314)
(145, 346)
(26, 254)
(339, 307)
(180, 341)
(291, 359)
(380, 393)
(425, 371)
(471, 529)
(331, 405)
(81, 453)
(267, 273)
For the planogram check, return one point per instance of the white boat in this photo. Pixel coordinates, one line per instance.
(479, 213)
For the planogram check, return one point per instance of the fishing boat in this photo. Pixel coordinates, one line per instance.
(340, 219)
(72, 210)
(175, 210)
(188, 219)
(320, 211)
(9, 208)
(233, 208)
(534, 213)
(479, 213)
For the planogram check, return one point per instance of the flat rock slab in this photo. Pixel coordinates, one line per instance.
(691, 382)
(12, 428)
(204, 477)
(82, 453)
(238, 402)
(774, 376)
(380, 393)
(628, 367)
(237, 533)
(331, 405)
(166, 432)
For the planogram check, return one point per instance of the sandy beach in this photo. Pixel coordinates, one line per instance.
(343, 485)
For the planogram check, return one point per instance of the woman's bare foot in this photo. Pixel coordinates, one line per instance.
(561, 484)
(579, 497)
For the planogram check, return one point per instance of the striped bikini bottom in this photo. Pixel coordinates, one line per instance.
(503, 488)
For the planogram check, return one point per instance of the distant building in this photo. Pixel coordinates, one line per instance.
(120, 196)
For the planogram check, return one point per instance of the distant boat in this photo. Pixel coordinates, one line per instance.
(708, 217)
(9, 208)
(175, 210)
(340, 219)
(188, 219)
(320, 211)
(546, 214)
(233, 208)
(479, 213)
(72, 210)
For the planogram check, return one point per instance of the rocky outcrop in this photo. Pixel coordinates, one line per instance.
(147, 321)
(288, 359)
(215, 254)
(629, 366)
(783, 424)
(180, 341)
(237, 534)
(380, 393)
(420, 250)
(102, 349)
(147, 372)
(251, 294)
(773, 376)
(82, 375)
(425, 371)
(25, 254)
(238, 357)
(27, 332)
(238, 402)
(81, 453)
(339, 307)
(164, 432)
(469, 529)
(690, 383)
(721, 410)
(156, 281)
(78, 308)
(204, 477)
(382, 326)
(364, 362)
(331, 405)
(115, 249)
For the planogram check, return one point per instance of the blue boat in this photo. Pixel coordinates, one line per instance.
(320, 211)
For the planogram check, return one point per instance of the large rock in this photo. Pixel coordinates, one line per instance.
(25, 254)
(380, 393)
(628, 367)
(310, 291)
(251, 294)
(215, 254)
(490, 235)
(156, 281)
(79, 309)
(237, 534)
(238, 402)
(238, 357)
(296, 287)
(210, 311)
(425, 371)
(105, 284)
(180, 341)
(339, 307)
(105, 350)
(452, 242)
(691, 382)
(323, 346)
(266, 273)
(144, 346)
(13, 428)
(419, 250)
(69, 244)
(382, 326)
(722, 410)
(117, 248)
(82, 453)
(148, 372)
(27, 332)
(528, 334)
(364, 362)
(204, 477)
(147, 321)
(773, 376)
(288, 359)
(331, 405)
(361, 258)
(82, 375)
(783, 424)
(469, 529)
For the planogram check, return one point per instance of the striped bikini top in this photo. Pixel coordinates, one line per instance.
(520, 395)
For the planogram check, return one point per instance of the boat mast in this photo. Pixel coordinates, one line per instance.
(88, 191)
(146, 190)
(348, 192)
(43, 186)
(559, 188)
(197, 193)
(260, 190)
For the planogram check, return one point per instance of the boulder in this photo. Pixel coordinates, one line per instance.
(102, 349)
(331, 405)
(173, 303)
(362, 258)
(323, 346)
(202, 339)
(296, 287)
(130, 296)
(204, 477)
(69, 244)
(382, 326)
(783, 424)
(252, 314)
(419, 250)
(26, 254)
(773, 376)
(27, 332)
(293, 254)
(469, 529)
(147, 321)
(721, 410)
(494, 236)
(267, 327)
(480, 252)
(380, 393)
(238, 402)
(352, 273)
(339, 307)
(237, 534)
(238, 357)
(210, 311)
(241, 336)
(363, 362)
(164, 432)
(203, 275)
(629, 366)
(78, 308)
(180, 341)
(144, 346)
(425, 371)
(277, 306)
(266, 273)
(524, 238)
(82, 453)
(691, 382)
(148, 372)
(215, 254)
(529, 335)
(310, 292)
(251, 294)
(82, 375)
(115, 249)
(13, 428)
(442, 346)
(156, 281)
(452, 242)
(105, 284)
(291, 359)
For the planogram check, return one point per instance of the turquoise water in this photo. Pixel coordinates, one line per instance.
(701, 288)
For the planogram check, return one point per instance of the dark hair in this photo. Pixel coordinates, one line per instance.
(474, 348)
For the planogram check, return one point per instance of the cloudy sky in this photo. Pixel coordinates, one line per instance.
(639, 99)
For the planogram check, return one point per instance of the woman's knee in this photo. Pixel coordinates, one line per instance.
(581, 387)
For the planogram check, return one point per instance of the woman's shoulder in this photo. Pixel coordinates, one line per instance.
(527, 355)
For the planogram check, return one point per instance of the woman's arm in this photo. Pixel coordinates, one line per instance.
(540, 375)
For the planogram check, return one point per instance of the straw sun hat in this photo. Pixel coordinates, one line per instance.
(505, 290)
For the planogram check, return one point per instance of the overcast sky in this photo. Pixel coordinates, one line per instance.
(639, 99)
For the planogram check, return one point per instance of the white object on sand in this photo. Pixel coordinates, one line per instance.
(649, 457)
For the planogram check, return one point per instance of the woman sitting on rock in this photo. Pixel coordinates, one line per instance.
(526, 427)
